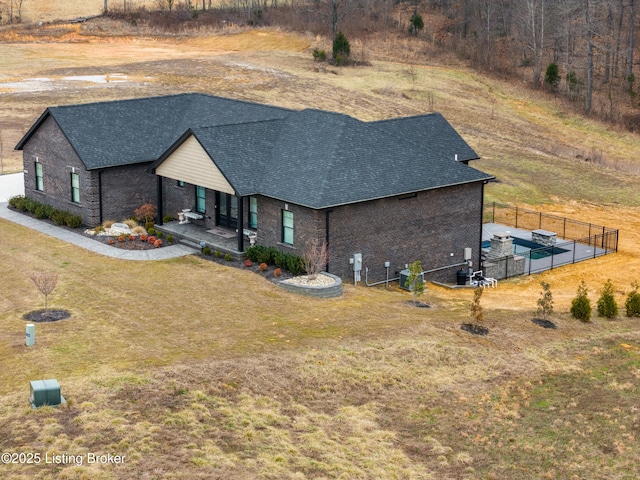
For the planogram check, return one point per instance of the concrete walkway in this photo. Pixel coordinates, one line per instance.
(87, 243)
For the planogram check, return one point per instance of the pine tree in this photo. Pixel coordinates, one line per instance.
(607, 305)
(581, 305)
(545, 302)
(632, 304)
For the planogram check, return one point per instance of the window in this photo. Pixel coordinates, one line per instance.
(200, 199)
(287, 227)
(39, 177)
(75, 188)
(253, 212)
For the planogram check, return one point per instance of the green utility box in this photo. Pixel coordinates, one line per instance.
(45, 392)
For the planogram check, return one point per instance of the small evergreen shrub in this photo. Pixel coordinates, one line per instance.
(151, 231)
(319, 55)
(607, 305)
(632, 304)
(159, 234)
(415, 23)
(218, 254)
(167, 218)
(341, 49)
(170, 238)
(228, 257)
(148, 225)
(206, 250)
(551, 76)
(581, 305)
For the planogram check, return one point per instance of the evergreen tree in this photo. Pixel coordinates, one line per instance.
(632, 304)
(581, 305)
(551, 76)
(607, 305)
(341, 49)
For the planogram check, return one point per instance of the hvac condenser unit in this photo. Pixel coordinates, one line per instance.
(404, 274)
(45, 392)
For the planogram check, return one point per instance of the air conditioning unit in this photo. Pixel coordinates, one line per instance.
(45, 392)
(404, 274)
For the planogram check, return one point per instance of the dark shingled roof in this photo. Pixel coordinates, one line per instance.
(123, 132)
(313, 158)
(432, 130)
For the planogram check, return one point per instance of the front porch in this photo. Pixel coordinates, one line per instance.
(221, 239)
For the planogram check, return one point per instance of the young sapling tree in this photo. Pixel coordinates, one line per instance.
(414, 280)
(545, 302)
(45, 282)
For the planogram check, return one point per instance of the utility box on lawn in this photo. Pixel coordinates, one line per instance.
(45, 392)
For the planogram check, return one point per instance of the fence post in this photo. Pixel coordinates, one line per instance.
(574, 252)
(516, 217)
(552, 255)
(595, 245)
(564, 228)
(493, 214)
(603, 238)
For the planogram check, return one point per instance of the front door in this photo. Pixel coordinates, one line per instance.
(227, 210)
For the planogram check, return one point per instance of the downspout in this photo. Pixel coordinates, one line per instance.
(160, 200)
(100, 215)
(326, 230)
(481, 223)
(241, 224)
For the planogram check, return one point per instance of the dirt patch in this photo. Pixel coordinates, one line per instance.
(544, 323)
(418, 304)
(475, 329)
(45, 316)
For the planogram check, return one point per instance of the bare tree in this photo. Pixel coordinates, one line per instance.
(45, 282)
(334, 11)
(315, 258)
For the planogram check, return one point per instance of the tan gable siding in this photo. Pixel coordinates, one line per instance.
(191, 164)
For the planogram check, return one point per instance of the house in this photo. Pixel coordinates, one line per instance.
(394, 190)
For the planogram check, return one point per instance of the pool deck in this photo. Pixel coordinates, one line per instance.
(575, 252)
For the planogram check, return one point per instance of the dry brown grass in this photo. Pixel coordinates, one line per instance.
(196, 370)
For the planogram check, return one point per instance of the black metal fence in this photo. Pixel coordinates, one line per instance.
(581, 240)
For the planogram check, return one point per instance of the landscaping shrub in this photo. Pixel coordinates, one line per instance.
(319, 55)
(206, 250)
(581, 305)
(263, 267)
(107, 224)
(143, 237)
(607, 305)
(159, 234)
(151, 231)
(248, 263)
(157, 243)
(228, 257)
(111, 241)
(167, 218)
(545, 302)
(632, 304)
(272, 256)
(341, 49)
(131, 223)
(98, 229)
(475, 308)
(151, 239)
(73, 221)
(121, 238)
(17, 202)
(277, 272)
(132, 238)
(218, 254)
(148, 225)
(170, 238)
(139, 230)
(41, 212)
(146, 213)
